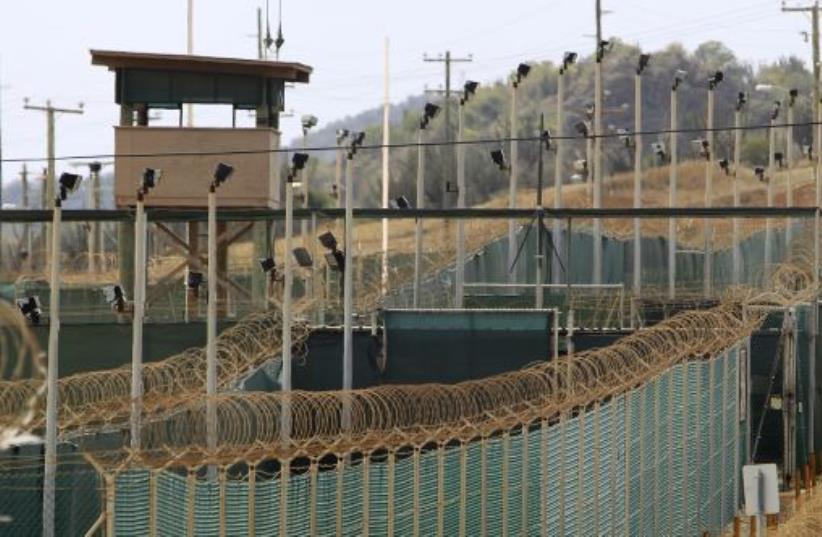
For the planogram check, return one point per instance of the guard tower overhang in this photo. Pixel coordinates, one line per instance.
(146, 81)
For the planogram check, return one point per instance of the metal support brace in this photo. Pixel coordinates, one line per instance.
(597, 456)
(111, 493)
(483, 489)
(416, 493)
(543, 478)
(440, 490)
(252, 499)
(339, 504)
(562, 443)
(366, 494)
(152, 503)
(312, 500)
(222, 505)
(390, 499)
(524, 478)
(463, 487)
(506, 452)
(629, 437)
(191, 489)
(580, 467)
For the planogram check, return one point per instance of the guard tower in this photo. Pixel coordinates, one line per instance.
(146, 81)
(169, 81)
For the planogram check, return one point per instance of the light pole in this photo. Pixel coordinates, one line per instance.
(469, 89)
(741, 101)
(641, 65)
(297, 163)
(568, 59)
(357, 139)
(713, 81)
(679, 77)
(603, 47)
(342, 134)
(68, 183)
(777, 106)
(516, 79)
(221, 175)
(429, 112)
(308, 122)
(149, 180)
(792, 95)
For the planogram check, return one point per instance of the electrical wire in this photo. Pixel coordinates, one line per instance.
(401, 145)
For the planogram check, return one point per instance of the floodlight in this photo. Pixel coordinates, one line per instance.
(308, 121)
(451, 188)
(777, 105)
(222, 172)
(335, 260)
(194, 279)
(470, 88)
(357, 138)
(589, 111)
(298, 161)
(605, 46)
(701, 147)
(741, 100)
(429, 112)
(759, 172)
(779, 157)
(267, 264)
(582, 129)
(659, 150)
(581, 165)
(328, 240)
(303, 257)
(792, 95)
(334, 193)
(30, 308)
(725, 166)
(498, 156)
(679, 77)
(151, 178)
(400, 203)
(115, 297)
(522, 71)
(69, 182)
(643, 63)
(568, 59)
(342, 134)
(807, 151)
(715, 79)
(95, 167)
(576, 178)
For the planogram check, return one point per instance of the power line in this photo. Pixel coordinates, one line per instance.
(480, 141)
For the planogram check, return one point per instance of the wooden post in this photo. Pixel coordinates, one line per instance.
(222, 506)
(285, 475)
(752, 527)
(252, 499)
(110, 481)
(737, 526)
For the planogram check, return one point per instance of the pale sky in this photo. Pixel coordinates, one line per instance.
(44, 48)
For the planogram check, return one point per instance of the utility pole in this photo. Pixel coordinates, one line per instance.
(386, 155)
(447, 59)
(48, 188)
(600, 55)
(26, 239)
(817, 131)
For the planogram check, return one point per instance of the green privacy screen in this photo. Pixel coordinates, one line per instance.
(663, 459)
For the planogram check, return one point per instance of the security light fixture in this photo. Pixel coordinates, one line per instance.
(741, 100)
(151, 178)
(660, 151)
(807, 151)
(792, 95)
(725, 166)
(679, 77)
(69, 182)
(522, 71)
(95, 167)
(30, 308)
(625, 137)
(777, 106)
(779, 157)
(498, 156)
(194, 279)
(429, 112)
(469, 89)
(342, 134)
(589, 111)
(582, 128)
(581, 165)
(605, 46)
(451, 188)
(303, 257)
(715, 79)
(759, 173)
(568, 59)
(328, 240)
(400, 203)
(643, 63)
(357, 138)
(308, 121)
(267, 264)
(222, 173)
(115, 297)
(701, 147)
